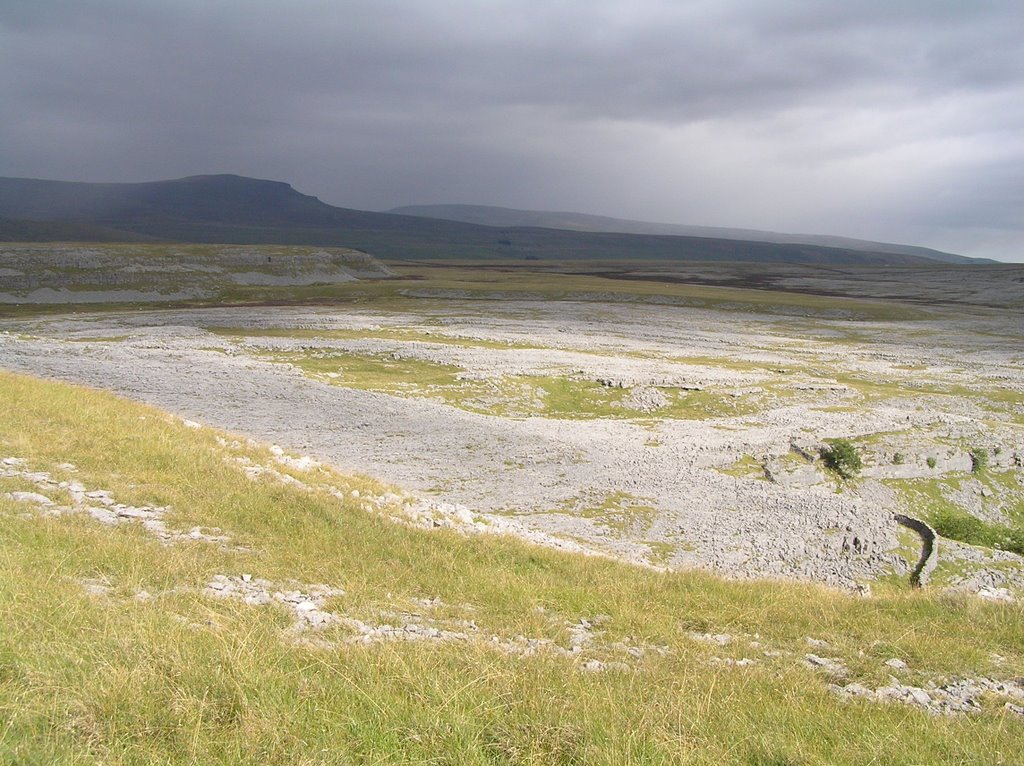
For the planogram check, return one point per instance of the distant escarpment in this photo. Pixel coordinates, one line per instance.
(238, 210)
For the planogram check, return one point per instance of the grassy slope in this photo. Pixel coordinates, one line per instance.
(183, 678)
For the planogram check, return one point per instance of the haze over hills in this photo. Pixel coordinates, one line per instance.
(488, 215)
(240, 210)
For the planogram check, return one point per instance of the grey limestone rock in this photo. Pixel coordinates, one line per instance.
(30, 497)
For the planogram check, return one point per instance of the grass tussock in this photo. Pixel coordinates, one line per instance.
(91, 672)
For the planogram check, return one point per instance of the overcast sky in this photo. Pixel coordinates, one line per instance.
(900, 120)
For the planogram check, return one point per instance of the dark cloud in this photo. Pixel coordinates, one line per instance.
(878, 119)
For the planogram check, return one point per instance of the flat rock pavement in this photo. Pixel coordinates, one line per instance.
(551, 474)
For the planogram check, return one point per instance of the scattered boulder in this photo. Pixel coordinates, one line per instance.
(30, 497)
(831, 665)
(645, 399)
(961, 696)
(997, 594)
(721, 639)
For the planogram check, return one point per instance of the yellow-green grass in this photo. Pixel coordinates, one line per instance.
(551, 396)
(405, 334)
(928, 498)
(619, 512)
(570, 397)
(184, 678)
(567, 396)
(746, 467)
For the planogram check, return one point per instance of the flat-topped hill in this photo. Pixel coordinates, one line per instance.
(239, 210)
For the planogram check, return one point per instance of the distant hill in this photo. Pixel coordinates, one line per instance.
(232, 209)
(486, 215)
(210, 199)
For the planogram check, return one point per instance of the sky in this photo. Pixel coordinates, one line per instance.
(893, 120)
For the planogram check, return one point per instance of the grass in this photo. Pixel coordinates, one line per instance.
(960, 525)
(404, 334)
(747, 467)
(570, 397)
(183, 678)
(619, 512)
(558, 281)
(565, 396)
(994, 400)
(551, 396)
(929, 499)
(491, 280)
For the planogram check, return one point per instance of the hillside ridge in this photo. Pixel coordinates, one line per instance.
(490, 215)
(232, 209)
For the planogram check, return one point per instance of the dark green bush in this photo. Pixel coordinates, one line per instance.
(979, 459)
(842, 457)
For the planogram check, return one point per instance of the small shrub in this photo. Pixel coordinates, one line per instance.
(930, 461)
(979, 460)
(898, 458)
(842, 457)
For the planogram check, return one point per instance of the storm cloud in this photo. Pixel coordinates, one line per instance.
(897, 121)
